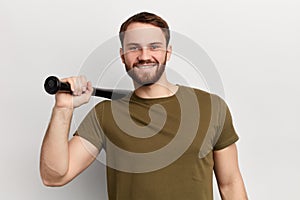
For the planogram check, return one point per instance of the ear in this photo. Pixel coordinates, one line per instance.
(169, 52)
(122, 55)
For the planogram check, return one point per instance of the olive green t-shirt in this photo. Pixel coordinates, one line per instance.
(160, 148)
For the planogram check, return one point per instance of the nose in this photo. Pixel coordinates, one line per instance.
(144, 54)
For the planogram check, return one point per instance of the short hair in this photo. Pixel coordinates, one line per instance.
(146, 18)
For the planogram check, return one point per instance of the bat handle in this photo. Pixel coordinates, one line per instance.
(52, 85)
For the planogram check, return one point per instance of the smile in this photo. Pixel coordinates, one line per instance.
(146, 66)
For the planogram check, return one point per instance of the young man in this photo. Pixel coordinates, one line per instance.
(162, 142)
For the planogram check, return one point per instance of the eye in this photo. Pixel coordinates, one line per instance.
(133, 48)
(155, 47)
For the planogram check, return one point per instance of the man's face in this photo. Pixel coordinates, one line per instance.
(144, 53)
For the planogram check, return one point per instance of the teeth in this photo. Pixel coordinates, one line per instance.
(145, 66)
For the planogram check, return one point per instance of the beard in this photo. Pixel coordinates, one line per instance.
(146, 78)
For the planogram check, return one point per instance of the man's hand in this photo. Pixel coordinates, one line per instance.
(81, 93)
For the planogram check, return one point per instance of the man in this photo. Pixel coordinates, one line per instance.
(162, 142)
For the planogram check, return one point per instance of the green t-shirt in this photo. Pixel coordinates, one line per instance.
(160, 148)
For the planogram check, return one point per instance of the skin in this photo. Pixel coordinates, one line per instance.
(229, 178)
(144, 59)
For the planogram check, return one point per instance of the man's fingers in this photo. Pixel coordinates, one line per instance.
(89, 87)
(79, 84)
(82, 84)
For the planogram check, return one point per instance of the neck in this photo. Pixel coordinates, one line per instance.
(162, 88)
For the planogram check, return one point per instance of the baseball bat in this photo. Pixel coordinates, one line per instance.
(53, 85)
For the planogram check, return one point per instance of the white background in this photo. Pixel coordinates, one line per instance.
(253, 43)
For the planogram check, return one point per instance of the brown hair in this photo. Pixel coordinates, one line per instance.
(147, 18)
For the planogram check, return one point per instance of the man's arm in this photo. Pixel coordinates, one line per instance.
(61, 160)
(228, 175)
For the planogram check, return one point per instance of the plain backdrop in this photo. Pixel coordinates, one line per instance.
(254, 45)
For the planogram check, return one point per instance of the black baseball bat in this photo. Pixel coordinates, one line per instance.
(53, 85)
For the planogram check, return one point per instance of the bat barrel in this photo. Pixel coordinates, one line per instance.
(110, 93)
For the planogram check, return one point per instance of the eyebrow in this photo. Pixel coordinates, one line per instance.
(137, 44)
(132, 44)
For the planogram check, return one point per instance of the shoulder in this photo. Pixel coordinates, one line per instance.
(203, 95)
(100, 108)
(102, 104)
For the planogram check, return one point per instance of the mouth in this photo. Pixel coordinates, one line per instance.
(145, 66)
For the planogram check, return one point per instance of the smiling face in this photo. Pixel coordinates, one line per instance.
(145, 53)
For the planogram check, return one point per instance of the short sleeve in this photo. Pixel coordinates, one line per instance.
(228, 134)
(90, 128)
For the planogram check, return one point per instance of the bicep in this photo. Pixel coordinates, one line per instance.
(81, 154)
(226, 164)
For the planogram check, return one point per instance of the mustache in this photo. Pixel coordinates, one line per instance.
(143, 62)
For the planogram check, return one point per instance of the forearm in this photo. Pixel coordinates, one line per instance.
(234, 190)
(54, 161)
